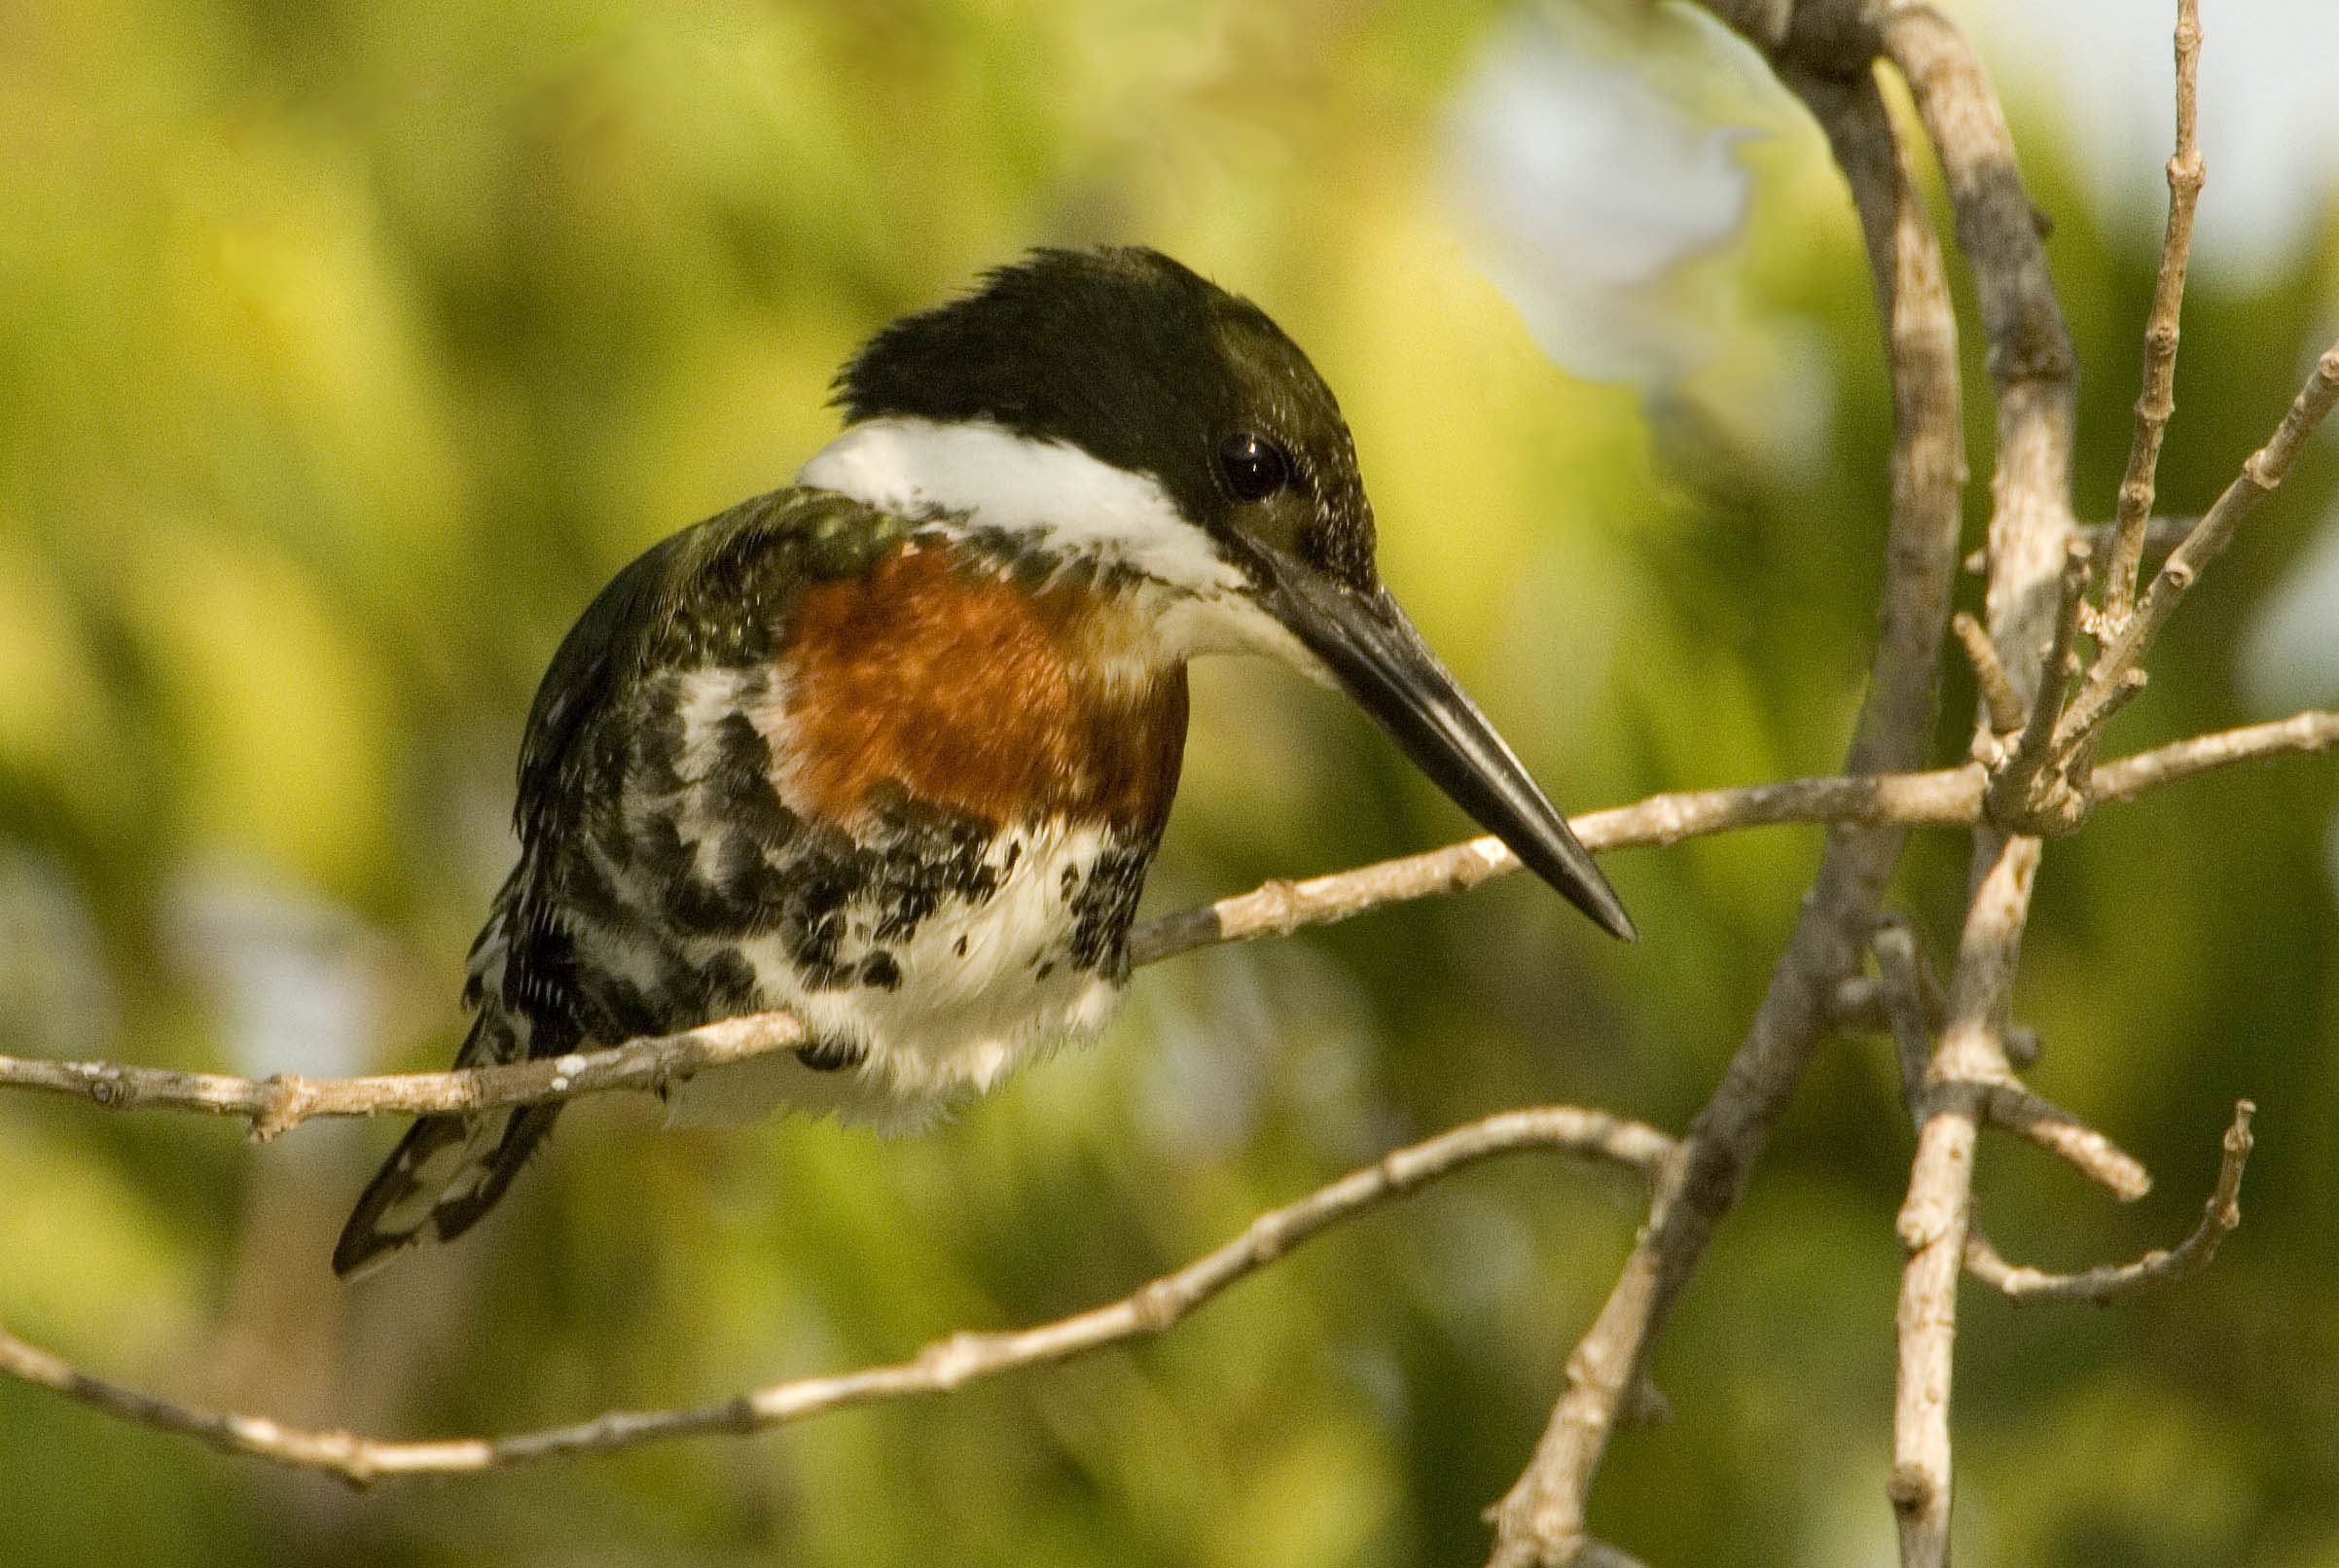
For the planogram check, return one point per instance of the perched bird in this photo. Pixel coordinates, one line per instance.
(891, 749)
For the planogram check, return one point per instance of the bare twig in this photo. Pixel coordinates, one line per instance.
(2101, 692)
(1934, 1217)
(1900, 968)
(1863, 1001)
(2131, 776)
(2033, 375)
(1999, 701)
(939, 1368)
(2032, 370)
(2012, 798)
(2027, 1286)
(2009, 1105)
(2162, 534)
(276, 1104)
(2155, 401)
(1946, 798)
(1881, 1005)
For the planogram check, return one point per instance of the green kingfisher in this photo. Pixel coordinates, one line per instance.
(890, 750)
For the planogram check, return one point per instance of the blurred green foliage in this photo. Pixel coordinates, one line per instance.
(345, 349)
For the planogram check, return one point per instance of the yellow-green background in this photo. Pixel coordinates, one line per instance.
(345, 348)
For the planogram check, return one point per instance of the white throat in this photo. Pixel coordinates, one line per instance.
(989, 479)
(984, 479)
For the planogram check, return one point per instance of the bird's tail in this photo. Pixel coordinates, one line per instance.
(448, 1170)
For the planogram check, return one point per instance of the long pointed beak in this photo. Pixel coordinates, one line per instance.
(1381, 662)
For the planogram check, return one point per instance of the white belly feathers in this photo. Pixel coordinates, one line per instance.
(984, 987)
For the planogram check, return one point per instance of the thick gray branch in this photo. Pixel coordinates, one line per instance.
(2033, 375)
(1822, 53)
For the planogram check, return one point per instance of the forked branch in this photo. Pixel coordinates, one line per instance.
(2264, 469)
(2029, 1287)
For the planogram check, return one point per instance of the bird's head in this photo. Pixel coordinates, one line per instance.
(1113, 413)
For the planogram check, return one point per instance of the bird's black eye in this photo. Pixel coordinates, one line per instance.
(1255, 467)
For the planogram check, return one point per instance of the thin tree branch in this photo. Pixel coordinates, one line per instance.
(1541, 1518)
(2131, 777)
(2032, 370)
(2034, 376)
(2007, 1104)
(2011, 794)
(1900, 968)
(274, 1105)
(1882, 1005)
(1935, 1216)
(939, 1368)
(1867, 1003)
(1949, 797)
(1945, 797)
(2156, 400)
(2028, 1286)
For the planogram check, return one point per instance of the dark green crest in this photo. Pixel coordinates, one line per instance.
(1148, 367)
